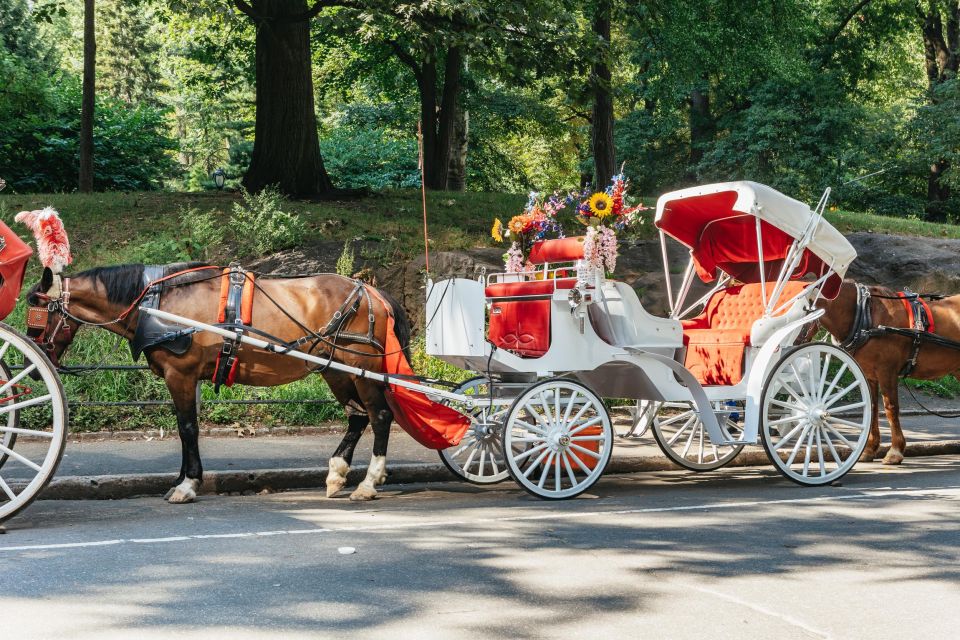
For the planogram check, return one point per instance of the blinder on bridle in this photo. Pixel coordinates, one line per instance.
(45, 323)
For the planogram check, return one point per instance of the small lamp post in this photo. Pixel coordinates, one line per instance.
(219, 177)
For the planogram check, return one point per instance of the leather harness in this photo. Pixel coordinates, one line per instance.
(152, 331)
(919, 324)
(235, 312)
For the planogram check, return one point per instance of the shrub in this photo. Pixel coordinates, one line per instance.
(203, 233)
(259, 224)
(346, 260)
(372, 158)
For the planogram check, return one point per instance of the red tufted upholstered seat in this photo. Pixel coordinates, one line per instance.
(716, 338)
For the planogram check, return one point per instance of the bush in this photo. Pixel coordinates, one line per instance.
(372, 158)
(259, 225)
(203, 233)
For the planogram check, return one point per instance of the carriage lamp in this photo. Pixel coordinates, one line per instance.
(219, 178)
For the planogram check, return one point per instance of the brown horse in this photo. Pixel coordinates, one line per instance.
(883, 357)
(288, 308)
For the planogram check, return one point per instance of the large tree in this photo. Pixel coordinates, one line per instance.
(940, 26)
(601, 81)
(88, 101)
(286, 150)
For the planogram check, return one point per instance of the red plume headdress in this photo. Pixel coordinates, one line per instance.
(53, 246)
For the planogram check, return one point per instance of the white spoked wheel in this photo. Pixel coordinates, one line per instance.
(479, 456)
(8, 438)
(557, 439)
(681, 436)
(816, 412)
(41, 429)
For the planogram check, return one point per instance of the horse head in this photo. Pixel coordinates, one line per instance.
(49, 323)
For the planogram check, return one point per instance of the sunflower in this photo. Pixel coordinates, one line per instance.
(497, 231)
(601, 205)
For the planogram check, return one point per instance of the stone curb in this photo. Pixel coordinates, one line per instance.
(112, 487)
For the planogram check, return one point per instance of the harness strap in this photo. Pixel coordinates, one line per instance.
(862, 321)
(236, 308)
(920, 320)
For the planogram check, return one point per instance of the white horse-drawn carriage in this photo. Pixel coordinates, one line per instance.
(717, 374)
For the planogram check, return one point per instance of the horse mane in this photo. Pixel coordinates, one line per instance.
(124, 283)
(401, 323)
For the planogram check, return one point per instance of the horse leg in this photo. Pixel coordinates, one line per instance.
(346, 394)
(891, 404)
(873, 439)
(381, 418)
(184, 393)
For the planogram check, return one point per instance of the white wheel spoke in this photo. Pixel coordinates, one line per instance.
(846, 423)
(547, 414)
(849, 407)
(809, 450)
(536, 415)
(570, 473)
(597, 438)
(796, 447)
(556, 472)
(584, 468)
(785, 385)
(833, 384)
(529, 452)
(469, 461)
(686, 415)
(3, 349)
(592, 454)
(833, 451)
(779, 421)
(796, 375)
(17, 378)
(823, 467)
(483, 459)
(787, 438)
(531, 428)
(700, 449)
(26, 432)
(6, 488)
(783, 405)
(571, 403)
(693, 434)
(585, 425)
(823, 377)
(839, 435)
(536, 463)
(7, 408)
(840, 394)
(690, 422)
(16, 456)
(546, 469)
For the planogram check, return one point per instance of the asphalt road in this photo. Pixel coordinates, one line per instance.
(738, 553)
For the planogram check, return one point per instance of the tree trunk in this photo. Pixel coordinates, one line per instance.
(941, 62)
(604, 151)
(457, 174)
(286, 148)
(88, 100)
(701, 127)
(439, 120)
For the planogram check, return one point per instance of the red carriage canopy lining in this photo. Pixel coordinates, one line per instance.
(722, 237)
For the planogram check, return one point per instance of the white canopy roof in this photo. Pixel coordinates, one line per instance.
(687, 213)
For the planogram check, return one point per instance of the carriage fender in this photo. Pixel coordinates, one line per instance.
(761, 368)
(699, 397)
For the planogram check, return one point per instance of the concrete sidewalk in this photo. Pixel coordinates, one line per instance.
(116, 468)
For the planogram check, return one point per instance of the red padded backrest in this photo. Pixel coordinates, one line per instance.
(13, 265)
(737, 308)
(561, 250)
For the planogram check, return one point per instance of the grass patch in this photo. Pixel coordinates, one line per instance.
(945, 387)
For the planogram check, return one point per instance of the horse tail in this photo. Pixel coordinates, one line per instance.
(401, 323)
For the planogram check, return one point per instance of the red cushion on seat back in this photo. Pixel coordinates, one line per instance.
(13, 265)
(561, 250)
(716, 338)
(521, 326)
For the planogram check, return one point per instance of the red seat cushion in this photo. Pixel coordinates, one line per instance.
(561, 250)
(716, 338)
(523, 326)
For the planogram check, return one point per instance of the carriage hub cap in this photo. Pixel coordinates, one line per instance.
(820, 415)
(564, 441)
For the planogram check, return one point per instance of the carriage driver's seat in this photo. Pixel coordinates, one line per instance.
(717, 338)
(520, 311)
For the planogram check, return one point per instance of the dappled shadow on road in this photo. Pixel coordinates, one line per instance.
(520, 565)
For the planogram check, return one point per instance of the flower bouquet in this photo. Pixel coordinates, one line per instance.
(604, 214)
(538, 220)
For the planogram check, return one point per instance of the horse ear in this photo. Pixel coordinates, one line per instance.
(46, 280)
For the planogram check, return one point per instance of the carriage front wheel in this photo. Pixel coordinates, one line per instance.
(34, 396)
(479, 456)
(557, 439)
(816, 412)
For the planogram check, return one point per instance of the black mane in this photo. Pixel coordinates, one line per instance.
(124, 283)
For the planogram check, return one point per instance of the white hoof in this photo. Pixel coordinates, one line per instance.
(363, 492)
(336, 476)
(893, 457)
(184, 492)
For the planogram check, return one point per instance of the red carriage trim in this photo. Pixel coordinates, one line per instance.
(560, 250)
(430, 423)
(13, 266)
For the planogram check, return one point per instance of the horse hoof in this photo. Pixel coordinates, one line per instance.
(867, 456)
(336, 476)
(334, 486)
(363, 492)
(893, 457)
(183, 493)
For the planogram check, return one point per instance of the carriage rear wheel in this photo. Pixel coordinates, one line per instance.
(557, 439)
(681, 436)
(35, 396)
(816, 412)
(479, 456)
(7, 438)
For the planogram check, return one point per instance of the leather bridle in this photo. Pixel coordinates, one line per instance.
(46, 323)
